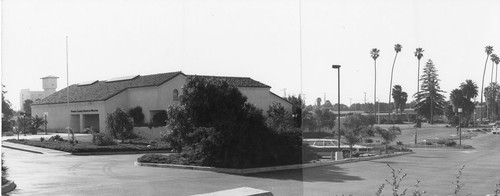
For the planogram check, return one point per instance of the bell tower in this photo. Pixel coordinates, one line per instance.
(49, 84)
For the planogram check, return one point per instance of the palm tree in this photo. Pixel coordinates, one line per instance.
(397, 48)
(419, 53)
(375, 55)
(495, 60)
(488, 50)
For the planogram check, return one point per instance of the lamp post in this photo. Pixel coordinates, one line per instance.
(338, 154)
(460, 126)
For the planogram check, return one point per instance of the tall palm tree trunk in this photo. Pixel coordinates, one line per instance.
(482, 88)
(375, 94)
(390, 86)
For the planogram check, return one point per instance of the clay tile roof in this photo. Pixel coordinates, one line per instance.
(102, 90)
(236, 81)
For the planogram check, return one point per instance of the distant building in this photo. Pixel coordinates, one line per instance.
(49, 85)
(90, 102)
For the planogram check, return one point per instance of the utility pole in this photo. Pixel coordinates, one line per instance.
(284, 90)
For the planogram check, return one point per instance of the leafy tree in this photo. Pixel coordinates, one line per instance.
(400, 97)
(387, 135)
(324, 118)
(297, 106)
(214, 125)
(27, 106)
(469, 90)
(429, 100)
(278, 118)
(488, 50)
(120, 125)
(374, 54)
(318, 102)
(24, 124)
(328, 104)
(397, 48)
(137, 115)
(7, 113)
(356, 121)
(491, 93)
(353, 137)
(308, 121)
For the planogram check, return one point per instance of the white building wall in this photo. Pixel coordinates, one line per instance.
(58, 115)
(257, 96)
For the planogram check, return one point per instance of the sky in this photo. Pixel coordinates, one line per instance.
(286, 44)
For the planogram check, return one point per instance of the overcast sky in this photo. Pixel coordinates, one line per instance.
(257, 39)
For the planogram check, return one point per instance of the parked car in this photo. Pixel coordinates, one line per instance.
(325, 147)
(496, 131)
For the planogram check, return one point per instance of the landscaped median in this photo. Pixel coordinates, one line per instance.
(87, 148)
(141, 162)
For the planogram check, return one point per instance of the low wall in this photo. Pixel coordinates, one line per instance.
(153, 133)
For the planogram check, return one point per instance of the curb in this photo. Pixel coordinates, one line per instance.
(10, 186)
(22, 149)
(266, 169)
(116, 153)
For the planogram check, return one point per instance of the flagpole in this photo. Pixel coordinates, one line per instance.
(67, 87)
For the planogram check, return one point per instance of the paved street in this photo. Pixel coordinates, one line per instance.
(63, 174)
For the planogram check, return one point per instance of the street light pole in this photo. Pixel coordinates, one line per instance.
(460, 126)
(338, 154)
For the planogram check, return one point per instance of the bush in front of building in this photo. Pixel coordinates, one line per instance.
(159, 119)
(220, 129)
(120, 125)
(101, 139)
(137, 115)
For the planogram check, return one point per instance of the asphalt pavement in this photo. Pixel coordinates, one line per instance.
(65, 174)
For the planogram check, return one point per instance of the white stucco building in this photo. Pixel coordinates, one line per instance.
(49, 84)
(90, 102)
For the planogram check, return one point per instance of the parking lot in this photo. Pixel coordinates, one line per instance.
(63, 174)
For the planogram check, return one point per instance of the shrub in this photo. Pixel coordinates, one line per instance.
(120, 125)
(369, 140)
(160, 119)
(450, 143)
(4, 172)
(442, 141)
(395, 129)
(101, 139)
(137, 115)
(42, 139)
(399, 143)
(57, 138)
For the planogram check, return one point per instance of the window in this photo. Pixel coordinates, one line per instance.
(176, 95)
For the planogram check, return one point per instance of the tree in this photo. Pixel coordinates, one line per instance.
(137, 115)
(278, 118)
(397, 48)
(297, 106)
(495, 59)
(374, 53)
(419, 53)
(318, 102)
(387, 135)
(215, 126)
(7, 113)
(308, 121)
(400, 97)
(353, 137)
(491, 92)
(492, 58)
(27, 106)
(488, 50)
(328, 104)
(324, 118)
(119, 124)
(462, 97)
(429, 100)
(355, 121)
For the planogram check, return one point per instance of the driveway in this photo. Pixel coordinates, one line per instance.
(63, 174)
